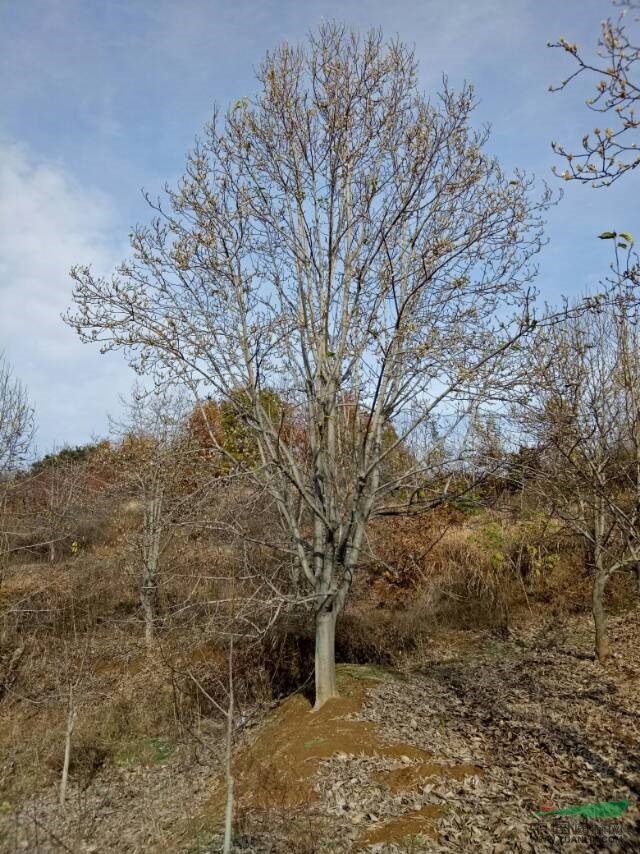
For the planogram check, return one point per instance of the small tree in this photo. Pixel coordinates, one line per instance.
(61, 492)
(152, 463)
(16, 419)
(218, 428)
(583, 413)
(345, 241)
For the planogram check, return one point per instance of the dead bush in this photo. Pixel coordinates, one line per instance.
(88, 755)
(366, 637)
(473, 572)
(283, 660)
(289, 829)
(69, 598)
(287, 655)
(199, 680)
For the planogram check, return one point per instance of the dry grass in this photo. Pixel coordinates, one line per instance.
(470, 572)
(78, 622)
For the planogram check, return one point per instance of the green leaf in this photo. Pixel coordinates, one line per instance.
(626, 236)
(608, 235)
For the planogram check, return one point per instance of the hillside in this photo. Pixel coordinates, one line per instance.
(452, 747)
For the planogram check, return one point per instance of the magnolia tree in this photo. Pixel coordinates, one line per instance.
(344, 241)
(610, 150)
(583, 415)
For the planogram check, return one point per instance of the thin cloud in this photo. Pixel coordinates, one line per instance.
(48, 223)
(111, 95)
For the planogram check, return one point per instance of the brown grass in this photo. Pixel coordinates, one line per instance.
(79, 622)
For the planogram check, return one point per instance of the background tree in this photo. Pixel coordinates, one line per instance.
(337, 235)
(583, 416)
(16, 419)
(58, 503)
(155, 467)
(218, 428)
(61, 492)
(607, 153)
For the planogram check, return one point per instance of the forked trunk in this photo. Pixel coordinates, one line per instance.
(325, 658)
(600, 617)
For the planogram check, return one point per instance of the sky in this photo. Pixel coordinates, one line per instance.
(100, 99)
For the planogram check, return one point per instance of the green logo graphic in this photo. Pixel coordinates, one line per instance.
(604, 809)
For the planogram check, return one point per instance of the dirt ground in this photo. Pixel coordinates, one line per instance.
(457, 752)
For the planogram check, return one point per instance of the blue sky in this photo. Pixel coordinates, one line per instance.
(101, 98)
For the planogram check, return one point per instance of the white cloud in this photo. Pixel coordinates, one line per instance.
(48, 223)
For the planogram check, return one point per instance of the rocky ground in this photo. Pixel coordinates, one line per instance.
(456, 752)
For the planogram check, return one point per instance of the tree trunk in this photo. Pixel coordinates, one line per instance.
(325, 657)
(148, 598)
(71, 720)
(150, 557)
(599, 582)
(590, 558)
(228, 813)
(600, 617)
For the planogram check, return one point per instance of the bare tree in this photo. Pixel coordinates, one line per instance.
(607, 153)
(151, 462)
(16, 419)
(50, 507)
(583, 415)
(61, 494)
(241, 617)
(66, 762)
(343, 240)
